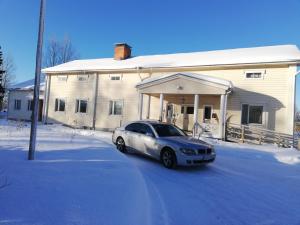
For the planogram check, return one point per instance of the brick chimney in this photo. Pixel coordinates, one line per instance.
(122, 51)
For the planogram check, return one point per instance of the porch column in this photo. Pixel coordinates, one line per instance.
(196, 106)
(141, 103)
(148, 107)
(161, 106)
(223, 108)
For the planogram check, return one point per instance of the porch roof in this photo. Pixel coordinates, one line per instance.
(177, 82)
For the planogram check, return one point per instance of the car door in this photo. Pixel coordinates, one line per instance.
(147, 141)
(132, 134)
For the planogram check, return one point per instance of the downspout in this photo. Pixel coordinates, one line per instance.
(295, 108)
(95, 101)
(47, 94)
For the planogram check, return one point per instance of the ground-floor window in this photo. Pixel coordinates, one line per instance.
(60, 105)
(81, 106)
(252, 114)
(115, 107)
(30, 105)
(17, 104)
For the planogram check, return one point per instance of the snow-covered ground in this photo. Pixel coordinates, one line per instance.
(79, 178)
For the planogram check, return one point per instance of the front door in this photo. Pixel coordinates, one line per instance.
(170, 113)
(187, 113)
(207, 115)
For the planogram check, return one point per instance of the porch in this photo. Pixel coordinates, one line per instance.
(193, 102)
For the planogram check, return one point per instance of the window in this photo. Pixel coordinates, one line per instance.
(207, 112)
(139, 128)
(62, 78)
(252, 114)
(255, 75)
(115, 107)
(60, 105)
(17, 104)
(30, 105)
(166, 130)
(189, 109)
(81, 106)
(115, 77)
(83, 77)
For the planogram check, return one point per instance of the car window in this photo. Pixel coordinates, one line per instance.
(167, 130)
(133, 127)
(144, 129)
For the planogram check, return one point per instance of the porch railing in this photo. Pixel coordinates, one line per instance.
(257, 135)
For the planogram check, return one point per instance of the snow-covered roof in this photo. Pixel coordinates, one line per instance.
(268, 54)
(28, 85)
(197, 76)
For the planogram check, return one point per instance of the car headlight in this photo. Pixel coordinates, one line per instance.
(188, 151)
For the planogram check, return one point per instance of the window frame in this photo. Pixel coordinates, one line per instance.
(84, 76)
(262, 72)
(211, 111)
(78, 106)
(15, 105)
(57, 106)
(62, 78)
(111, 76)
(112, 104)
(263, 120)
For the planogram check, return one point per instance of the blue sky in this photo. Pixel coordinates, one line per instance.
(150, 27)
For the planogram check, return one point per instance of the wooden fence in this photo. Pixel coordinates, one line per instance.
(257, 135)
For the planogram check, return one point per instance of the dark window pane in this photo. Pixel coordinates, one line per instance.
(182, 109)
(77, 106)
(118, 108)
(255, 114)
(83, 106)
(207, 112)
(134, 127)
(245, 108)
(144, 129)
(166, 130)
(253, 75)
(190, 110)
(62, 105)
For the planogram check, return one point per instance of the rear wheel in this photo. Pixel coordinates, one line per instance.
(168, 158)
(120, 143)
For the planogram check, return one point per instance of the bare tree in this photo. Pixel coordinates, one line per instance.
(8, 78)
(58, 52)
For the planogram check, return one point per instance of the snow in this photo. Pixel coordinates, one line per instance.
(197, 76)
(79, 177)
(267, 54)
(27, 85)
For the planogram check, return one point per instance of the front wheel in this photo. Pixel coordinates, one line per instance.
(120, 143)
(168, 159)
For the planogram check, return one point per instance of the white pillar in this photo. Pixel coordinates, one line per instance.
(161, 106)
(148, 106)
(196, 106)
(141, 103)
(222, 117)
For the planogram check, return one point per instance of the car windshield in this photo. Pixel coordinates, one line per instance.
(167, 130)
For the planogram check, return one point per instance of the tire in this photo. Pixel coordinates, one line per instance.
(120, 144)
(168, 159)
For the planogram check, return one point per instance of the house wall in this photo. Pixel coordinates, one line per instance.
(274, 91)
(23, 113)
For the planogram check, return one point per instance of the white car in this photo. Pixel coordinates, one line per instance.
(164, 142)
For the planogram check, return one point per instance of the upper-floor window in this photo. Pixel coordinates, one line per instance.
(254, 75)
(62, 77)
(252, 114)
(115, 77)
(115, 107)
(60, 105)
(29, 105)
(82, 77)
(81, 106)
(17, 105)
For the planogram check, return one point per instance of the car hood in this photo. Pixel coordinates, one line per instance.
(186, 141)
